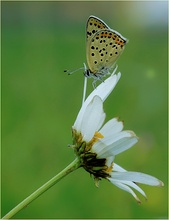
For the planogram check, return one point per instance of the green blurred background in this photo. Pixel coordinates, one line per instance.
(40, 103)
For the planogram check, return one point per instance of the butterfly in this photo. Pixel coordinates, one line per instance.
(103, 48)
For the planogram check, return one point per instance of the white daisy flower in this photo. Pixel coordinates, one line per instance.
(96, 145)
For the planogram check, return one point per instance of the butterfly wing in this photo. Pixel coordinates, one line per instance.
(94, 25)
(104, 48)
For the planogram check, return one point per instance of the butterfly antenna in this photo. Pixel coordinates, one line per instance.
(73, 71)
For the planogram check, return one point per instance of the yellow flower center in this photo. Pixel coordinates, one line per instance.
(95, 138)
(98, 135)
(110, 168)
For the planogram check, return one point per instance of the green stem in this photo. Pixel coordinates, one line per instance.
(71, 167)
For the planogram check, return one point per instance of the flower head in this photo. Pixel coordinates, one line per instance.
(96, 145)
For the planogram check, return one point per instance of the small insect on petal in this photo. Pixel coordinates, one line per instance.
(103, 47)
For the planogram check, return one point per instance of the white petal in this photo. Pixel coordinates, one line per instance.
(101, 121)
(116, 137)
(109, 160)
(130, 184)
(125, 188)
(118, 168)
(135, 186)
(98, 146)
(92, 118)
(103, 90)
(117, 147)
(137, 177)
(103, 144)
(78, 121)
(111, 127)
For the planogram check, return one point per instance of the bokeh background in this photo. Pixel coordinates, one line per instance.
(40, 103)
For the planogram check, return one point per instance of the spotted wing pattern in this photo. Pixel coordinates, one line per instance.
(104, 46)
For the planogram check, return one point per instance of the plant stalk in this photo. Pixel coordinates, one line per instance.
(70, 168)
